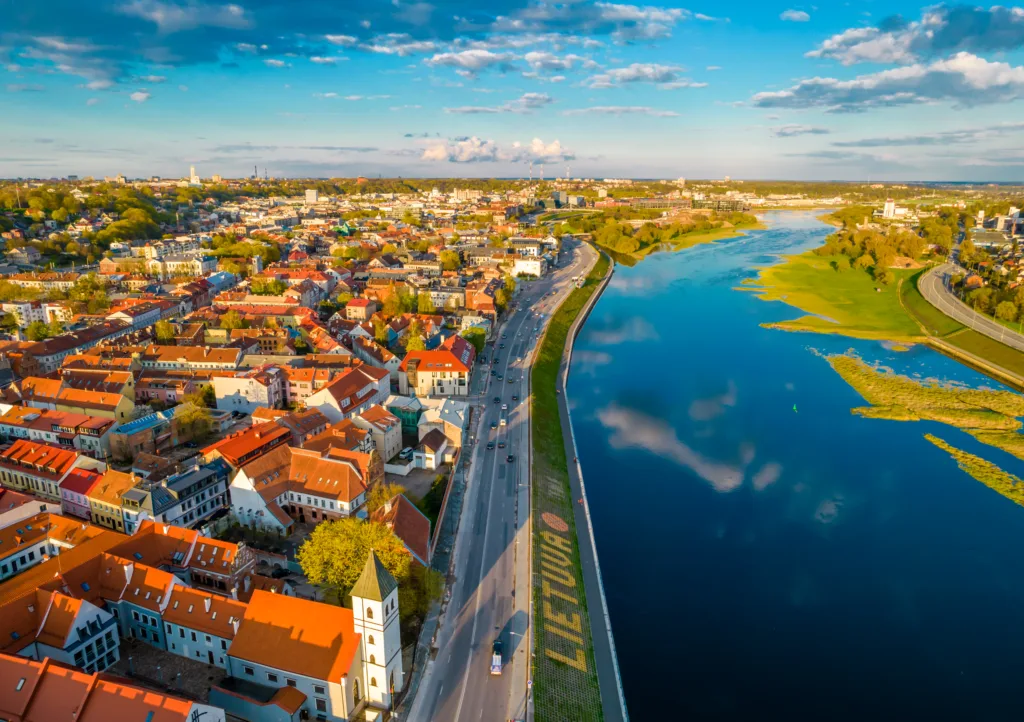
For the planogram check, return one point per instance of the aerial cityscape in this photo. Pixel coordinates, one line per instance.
(532, 361)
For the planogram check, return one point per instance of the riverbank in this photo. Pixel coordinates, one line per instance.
(565, 672)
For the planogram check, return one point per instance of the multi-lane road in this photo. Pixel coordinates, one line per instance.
(490, 595)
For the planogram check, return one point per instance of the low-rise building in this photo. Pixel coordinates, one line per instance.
(352, 392)
(259, 388)
(385, 429)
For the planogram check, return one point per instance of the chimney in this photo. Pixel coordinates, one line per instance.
(206, 604)
(387, 506)
(247, 582)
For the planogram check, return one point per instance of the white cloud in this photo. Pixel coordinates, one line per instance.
(476, 150)
(99, 84)
(793, 130)
(712, 68)
(345, 41)
(325, 95)
(471, 62)
(152, 78)
(172, 18)
(183, 88)
(527, 103)
(325, 60)
(400, 44)
(963, 80)
(623, 110)
(92, 101)
(795, 16)
(942, 29)
(666, 76)
(140, 96)
(275, 63)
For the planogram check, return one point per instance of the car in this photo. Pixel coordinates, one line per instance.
(496, 654)
(510, 458)
(493, 372)
(511, 380)
(504, 336)
(494, 424)
(501, 345)
(515, 398)
(497, 399)
(279, 573)
(490, 446)
(501, 444)
(504, 407)
(500, 377)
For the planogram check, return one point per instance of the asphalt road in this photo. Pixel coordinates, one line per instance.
(934, 288)
(457, 685)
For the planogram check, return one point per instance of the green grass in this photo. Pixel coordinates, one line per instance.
(984, 471)
(561, 691)
(848, 302)
(932, 319)
(988, 349)
(991, 416)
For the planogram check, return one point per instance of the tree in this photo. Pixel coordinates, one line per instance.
(477, 337)
(1007, 311)
(232, 320)
(414, 340)
(8, 322)
(424, 304)
(335, 553)
(501, 299)
(60, 215)
(380, 330)
(268, 287)
(968, 253)
(864, 262)
(393, 303)
(164, 332)
(55, 327)
(389, 248)
(885, 277)
(450, 260)
(380, 493)
(194, 420)
(205, 397)
(510, 285)
(37, 331)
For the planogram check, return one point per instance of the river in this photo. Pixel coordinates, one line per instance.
(766, 554)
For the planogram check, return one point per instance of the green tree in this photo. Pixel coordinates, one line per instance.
(477, 337)
(885, 277)
(501, 299)
(389, 248)
(37, 331)
(414, 337)
(233, 320)
(424, 304)
(510, 285)
(194, 420)
(450, 260)
(968, 253)
(393, 303)
(164, 332)
(8, 322)
(335, 553)
(380, 330)
(380, 493)
(1007, 311)
(60, 215)
(55, 327)
(205, 397)
(864, 262)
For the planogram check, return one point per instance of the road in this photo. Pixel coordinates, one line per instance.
(935, 287)
(457, 685)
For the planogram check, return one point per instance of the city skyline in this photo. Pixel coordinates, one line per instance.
(787, 91)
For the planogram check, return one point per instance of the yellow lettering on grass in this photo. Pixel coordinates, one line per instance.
(556, 541)
(573, 621)
(580, 662)
(548, 591)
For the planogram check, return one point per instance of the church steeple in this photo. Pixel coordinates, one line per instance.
(376, 582)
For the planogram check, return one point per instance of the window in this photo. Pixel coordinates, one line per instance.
(194, 637)
(373, 681)
(135, 615)
(321, 705)
(290, 682)
(249, 671)
(371, 639)
(317, 689)
(181, 632)
(223, 644)
(271, 677)
(369, 613)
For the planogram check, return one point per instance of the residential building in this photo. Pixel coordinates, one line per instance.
(360, 309)
(385, 429)
(105, 499)
(442, 372)
(352, 392)
(39, 468)
(433, 451)
(185, 498)
(409, 524)
(372, 353)
(259, 388)
(244, 446)
(74, 493)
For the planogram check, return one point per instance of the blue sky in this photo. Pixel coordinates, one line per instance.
(865, 90)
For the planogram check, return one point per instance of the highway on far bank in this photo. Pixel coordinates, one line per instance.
(490, 594)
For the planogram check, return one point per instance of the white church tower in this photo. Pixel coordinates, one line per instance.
(375, 610)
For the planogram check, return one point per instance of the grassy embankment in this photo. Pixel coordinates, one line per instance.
(847, 302)
(986, 472)
(852, 303)
(563, 690)
(989, 416)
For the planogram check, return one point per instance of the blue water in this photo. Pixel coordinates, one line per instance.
(765, 563)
